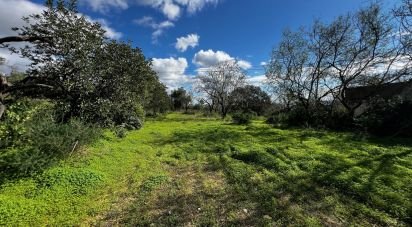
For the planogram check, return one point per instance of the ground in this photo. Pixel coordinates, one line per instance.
(189, 170)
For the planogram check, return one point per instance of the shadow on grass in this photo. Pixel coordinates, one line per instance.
(373, 182)
(351, 179)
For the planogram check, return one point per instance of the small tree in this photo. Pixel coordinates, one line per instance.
(220, 81)
(250, 99)
(180, 99)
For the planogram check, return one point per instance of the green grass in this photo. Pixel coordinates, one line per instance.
(190, 170)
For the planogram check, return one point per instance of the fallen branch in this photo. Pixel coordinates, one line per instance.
(74, 148)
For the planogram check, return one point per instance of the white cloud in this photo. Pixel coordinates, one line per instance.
(205, 59)
(171, 71)
(168, 7)
(191, 40)
(171, 10)
(209, 58)
(110, 32)
(158, 28)
(194, 6)
(256, 80)
(263, 63)
(104, 6)
(244, 64)
(11, 12)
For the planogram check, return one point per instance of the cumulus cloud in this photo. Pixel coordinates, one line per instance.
(244, 64)
(171, 71)
(191, 40)
(172, 9)
(104, 6)
(209, 58)
(206, 59)
(158, 28)
(11, 12)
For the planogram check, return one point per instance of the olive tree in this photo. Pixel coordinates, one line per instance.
(86, 75)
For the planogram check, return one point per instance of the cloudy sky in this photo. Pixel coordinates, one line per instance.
(183, 36)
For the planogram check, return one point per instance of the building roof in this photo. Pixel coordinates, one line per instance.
(385, 91)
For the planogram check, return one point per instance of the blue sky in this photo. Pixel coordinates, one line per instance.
(245, 30)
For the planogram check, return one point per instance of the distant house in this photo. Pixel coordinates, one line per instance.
(357, 95)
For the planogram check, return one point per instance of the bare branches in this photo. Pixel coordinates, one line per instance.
(317, 66)
(219, 82)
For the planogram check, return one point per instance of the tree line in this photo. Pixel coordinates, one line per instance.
(313, 71)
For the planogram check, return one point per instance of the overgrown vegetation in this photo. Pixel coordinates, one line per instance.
(71, 152)
(32, 140)
(187, 169)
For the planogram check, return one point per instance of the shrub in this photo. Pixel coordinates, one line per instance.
(387, 118)
(41, 141)
(318, 117)
(242, 118)
(120, 131)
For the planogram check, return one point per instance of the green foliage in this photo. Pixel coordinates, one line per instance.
(250, 99)
(242, 118)
(33, 140)
(192, 169)
(180, 99)
(387, 118)
(77, 181)
(87, 76)
(120, 131)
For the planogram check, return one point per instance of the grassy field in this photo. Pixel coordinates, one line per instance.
(189, 170)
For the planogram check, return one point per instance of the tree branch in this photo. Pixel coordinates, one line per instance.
(9, 39)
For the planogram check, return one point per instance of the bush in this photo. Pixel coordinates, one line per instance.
(41, 141)
(318, 117)
(242, 118)
(387, 118)
(120, 131)
(277, 118)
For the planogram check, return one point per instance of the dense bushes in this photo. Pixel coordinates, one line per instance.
(32, 140)
(319, 117)
(387, 118)
(242, 118)
(380, 117)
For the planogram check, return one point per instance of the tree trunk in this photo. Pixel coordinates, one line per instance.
(2, 109)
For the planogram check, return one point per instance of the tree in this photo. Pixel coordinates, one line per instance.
(404, 14)
(180, 99)
(86, 75)
(158, 100)
(220, 81)
(124, 83)
(315, 67)
(65, 45)
(250, 99)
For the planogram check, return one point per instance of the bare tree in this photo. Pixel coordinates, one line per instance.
(220, 81)
(404, 14)
(319, 65)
